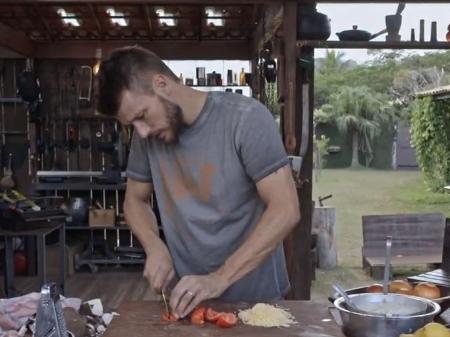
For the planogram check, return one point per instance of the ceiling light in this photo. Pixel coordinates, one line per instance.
(98, 57)
(117, 18)
(165, 19)
(217, 17)
(68, 18)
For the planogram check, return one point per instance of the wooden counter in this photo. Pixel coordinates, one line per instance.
(143, 319)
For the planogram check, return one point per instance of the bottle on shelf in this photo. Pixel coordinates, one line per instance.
(181, 79)
(229, 77)
(235, 81)
(242, 77)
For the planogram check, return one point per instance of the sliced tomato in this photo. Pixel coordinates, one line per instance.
(198, 316)
(169, 317)
(212, 315)
(226, 320)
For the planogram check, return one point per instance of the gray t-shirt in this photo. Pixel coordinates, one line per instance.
(206, 192)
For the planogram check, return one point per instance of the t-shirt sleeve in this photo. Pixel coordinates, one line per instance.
(138, 164)
(260, 146)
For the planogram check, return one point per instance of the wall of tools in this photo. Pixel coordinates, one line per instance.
(13, 127)
(59, 146)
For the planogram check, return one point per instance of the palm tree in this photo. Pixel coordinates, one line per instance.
(329, 77)
(360, 111)
(333, 62)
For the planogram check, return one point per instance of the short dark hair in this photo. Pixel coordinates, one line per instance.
(127, 68)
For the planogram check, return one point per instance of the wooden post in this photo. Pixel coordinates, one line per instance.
(298, 243)
(324, 225)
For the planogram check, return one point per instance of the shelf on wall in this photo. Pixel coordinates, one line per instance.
(373, 44)
(87, 227)
(219, 86)
(80, 186)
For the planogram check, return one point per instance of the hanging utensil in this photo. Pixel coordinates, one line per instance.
(7, 182)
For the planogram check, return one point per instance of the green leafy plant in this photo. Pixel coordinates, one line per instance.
(272, 98)
(430, 136)
(320, 151)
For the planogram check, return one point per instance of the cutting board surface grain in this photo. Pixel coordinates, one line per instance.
(143, 319)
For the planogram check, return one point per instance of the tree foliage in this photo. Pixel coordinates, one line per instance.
(430, 135)
(392, 73)
(358, 110)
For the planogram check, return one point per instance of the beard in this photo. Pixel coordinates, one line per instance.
(174, 115)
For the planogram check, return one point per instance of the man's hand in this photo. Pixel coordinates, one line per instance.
(159, 269)
(194, 289)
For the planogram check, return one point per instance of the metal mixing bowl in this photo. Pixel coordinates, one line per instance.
(356, 324)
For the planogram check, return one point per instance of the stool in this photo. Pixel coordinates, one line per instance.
(39, 233)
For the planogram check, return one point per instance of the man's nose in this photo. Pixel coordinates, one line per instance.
(142, 129)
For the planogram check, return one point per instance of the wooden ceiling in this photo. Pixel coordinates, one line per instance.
(42, 23)
(34, 27)
(37, 28)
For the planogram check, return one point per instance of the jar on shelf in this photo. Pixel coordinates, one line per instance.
(242, 77)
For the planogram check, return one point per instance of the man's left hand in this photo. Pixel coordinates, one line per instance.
(194, 289)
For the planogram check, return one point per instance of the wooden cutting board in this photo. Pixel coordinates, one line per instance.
(143, 319)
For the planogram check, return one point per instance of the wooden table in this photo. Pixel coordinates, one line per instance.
(143, 319)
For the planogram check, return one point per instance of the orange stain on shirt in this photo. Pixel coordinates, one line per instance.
(179, 182)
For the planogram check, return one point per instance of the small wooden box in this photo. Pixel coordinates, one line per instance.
(102, 217)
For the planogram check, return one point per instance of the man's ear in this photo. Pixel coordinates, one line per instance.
(161, 85)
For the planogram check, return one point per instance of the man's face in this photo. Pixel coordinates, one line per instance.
(151, 116)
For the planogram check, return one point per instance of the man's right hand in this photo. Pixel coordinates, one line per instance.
(159, 269)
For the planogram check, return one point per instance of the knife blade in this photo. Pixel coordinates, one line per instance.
(166, 306)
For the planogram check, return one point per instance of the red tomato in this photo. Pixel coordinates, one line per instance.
(227, 320)
(212, 315)
(198, 316)
(169, 317)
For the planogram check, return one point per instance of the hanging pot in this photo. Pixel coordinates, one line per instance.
(356, 34)
(313, 26)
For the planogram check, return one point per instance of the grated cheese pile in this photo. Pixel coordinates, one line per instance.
(266, 315)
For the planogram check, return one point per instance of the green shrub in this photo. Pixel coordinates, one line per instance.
(430, 135)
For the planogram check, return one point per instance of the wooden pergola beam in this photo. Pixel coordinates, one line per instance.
(198, 2)
(149, 2)
(169, 50)
(148, 20)
(15, 41)
(94, 15)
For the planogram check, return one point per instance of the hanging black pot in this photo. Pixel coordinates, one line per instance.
(313, 26)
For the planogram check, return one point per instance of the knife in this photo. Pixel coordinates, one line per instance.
(163, 296)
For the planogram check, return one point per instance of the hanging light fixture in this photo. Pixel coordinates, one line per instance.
(98, 57)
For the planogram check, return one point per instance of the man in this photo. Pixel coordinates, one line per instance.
(221, 178)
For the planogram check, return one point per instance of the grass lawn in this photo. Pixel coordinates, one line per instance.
(363, 192)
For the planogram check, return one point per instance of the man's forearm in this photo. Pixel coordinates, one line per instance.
(272, 228)
(142, 221)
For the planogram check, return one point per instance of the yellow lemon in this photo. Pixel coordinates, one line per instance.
(419, 333)
(436, 330)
